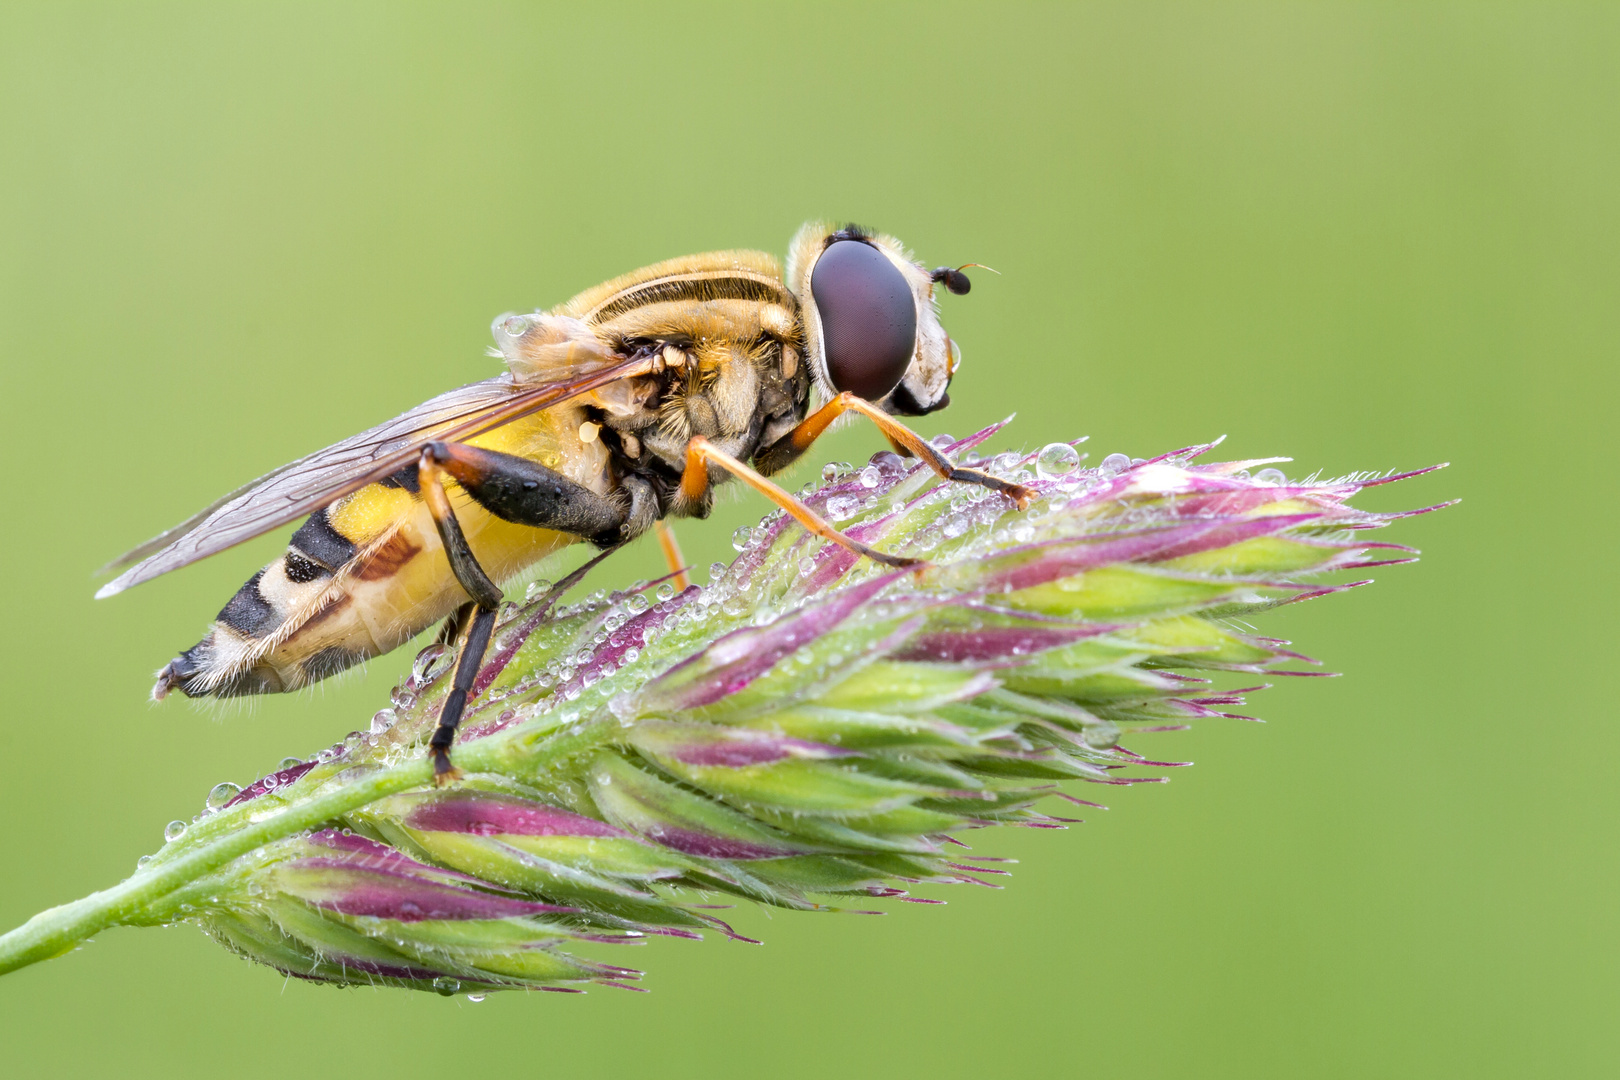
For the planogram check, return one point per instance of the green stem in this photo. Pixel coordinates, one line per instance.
(149, 895)
(155, 894)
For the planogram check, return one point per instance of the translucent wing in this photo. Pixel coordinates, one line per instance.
(312, 482)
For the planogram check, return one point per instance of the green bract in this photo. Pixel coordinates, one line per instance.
(808, 730)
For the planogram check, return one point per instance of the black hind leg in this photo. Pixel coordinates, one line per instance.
(519, 491)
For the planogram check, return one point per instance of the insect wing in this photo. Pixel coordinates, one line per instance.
(312, 482)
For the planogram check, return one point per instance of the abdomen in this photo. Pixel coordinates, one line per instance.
(368, 573)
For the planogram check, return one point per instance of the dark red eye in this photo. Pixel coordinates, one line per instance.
(868, 318)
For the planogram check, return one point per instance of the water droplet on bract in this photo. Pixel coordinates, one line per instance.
(1242, 474)
(423, 664)
(840, 507)
(288, 763)
(143, 862)
(717, 570)
(735, 606)
(1055, 460)
(665, 591)
(638, 603)
(476, 998)
(515, 325)
(807, 566)
(446, 985)
(536, 588)
(173, 831)
(1115, 463)
(742, 538)
(1023, 532)
(221, 794)
(632, 654)
(954, 526)
(888, 463)
(402, 698)
(836, 470)
(1271, 476)
(941, 441)
(870, 477)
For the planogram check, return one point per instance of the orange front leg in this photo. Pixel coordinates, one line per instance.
(700, 454)
(672, 555)
(787, 449)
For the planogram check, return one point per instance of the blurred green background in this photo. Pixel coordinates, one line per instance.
(1367, 235)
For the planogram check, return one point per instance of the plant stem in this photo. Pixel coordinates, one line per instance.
(150, 895)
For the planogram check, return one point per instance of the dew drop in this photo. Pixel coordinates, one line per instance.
(735, 606)
(742, 538)
(220, 794)
(446, 985)
(1271, 476)
(288, 763)
(402, 698)
(638, 603)
(836, 470)
(941, 441)
(665, 591)
(173, 831)
(842, 507)
(632, 654)
(807, 566)
(954, 526)
(1056, 459)
(888, 463)
(476, 998)
(717, 570)
(870, 477)
(1115, 463)
(515, 325)
(536, 588)
(143, 862)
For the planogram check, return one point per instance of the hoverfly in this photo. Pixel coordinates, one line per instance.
(618, 409)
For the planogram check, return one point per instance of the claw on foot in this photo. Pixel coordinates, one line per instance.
(443, 771)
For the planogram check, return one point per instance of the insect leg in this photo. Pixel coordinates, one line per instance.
(672, 555)
(525, 492)
(486, 600)
(700, 453)
(472, 655)
(785, 450)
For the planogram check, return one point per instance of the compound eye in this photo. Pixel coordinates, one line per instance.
(868, 318)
